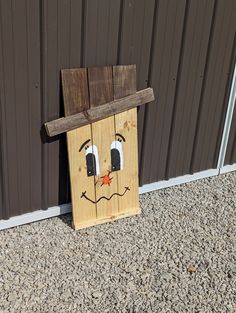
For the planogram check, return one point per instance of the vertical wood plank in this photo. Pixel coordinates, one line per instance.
(103, 134)
(124, 81)
(74, 90)
(83, 211)
(76, 99)
(100, 85)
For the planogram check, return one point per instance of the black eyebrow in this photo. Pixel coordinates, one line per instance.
(122, 137)
(83, 144)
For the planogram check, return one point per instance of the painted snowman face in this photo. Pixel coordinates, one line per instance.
(94, 169)
(104, 169)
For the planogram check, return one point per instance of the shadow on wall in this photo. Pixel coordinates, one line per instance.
(64, 181)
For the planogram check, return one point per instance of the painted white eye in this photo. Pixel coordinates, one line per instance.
(92, 161)
(117, 161)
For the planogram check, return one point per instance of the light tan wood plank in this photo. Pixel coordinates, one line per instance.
(83, 210)
(106, 220)
(103, 133)
(76, 99)
(126, 125)
(124, 81)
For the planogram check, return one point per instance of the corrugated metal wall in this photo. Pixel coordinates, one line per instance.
(192, 53)
(184, 49)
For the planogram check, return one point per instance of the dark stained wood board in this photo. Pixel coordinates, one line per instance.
(65, 124)
(124, 80)
(100, 85)
(75, 90)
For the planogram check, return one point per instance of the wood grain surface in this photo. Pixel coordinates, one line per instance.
(94, 114)
(100, 85)
(75, 90)
(103, 133)
(124, 78)
(76, 99)
(93, 99)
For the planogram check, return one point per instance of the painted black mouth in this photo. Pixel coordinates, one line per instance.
(83, 195)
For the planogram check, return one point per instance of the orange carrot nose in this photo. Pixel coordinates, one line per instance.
(106, 180)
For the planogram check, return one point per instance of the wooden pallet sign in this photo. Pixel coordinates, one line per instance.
(101, 125)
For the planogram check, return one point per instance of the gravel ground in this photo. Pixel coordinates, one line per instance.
(179, 255)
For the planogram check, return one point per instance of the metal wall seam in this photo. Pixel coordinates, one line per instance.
(228, 122)
(3, 176)
(230, 156)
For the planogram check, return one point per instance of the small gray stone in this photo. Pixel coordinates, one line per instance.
(97, 294)
(12, 296)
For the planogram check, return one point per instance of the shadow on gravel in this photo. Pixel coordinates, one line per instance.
(67, 219)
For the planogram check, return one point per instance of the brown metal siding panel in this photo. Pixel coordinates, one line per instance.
(163, 77)
(182, 48)
(100, 37)
(69, 55)
(10, 143)
(143, 63)
(229, 159)
(20, 144)
(213, 102)
(184, 144)
(227, 73)
(21, 103)
(73, 22)
(34, 104)
(61, 23)
(4, 200)
(50, 99)
(190, 80)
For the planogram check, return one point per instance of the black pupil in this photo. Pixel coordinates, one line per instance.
(115, 159)
(91, 164)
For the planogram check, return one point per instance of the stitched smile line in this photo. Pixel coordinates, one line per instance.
(83, 195)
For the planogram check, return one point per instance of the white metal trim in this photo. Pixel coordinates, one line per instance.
(228, 168)
(35, 216)
(66, 208)
(178, 180)
(228, 120)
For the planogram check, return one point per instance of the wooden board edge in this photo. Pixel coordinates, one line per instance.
(106, 220)
(65, 124)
